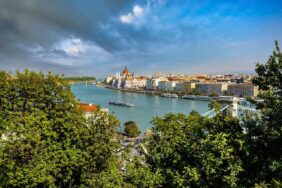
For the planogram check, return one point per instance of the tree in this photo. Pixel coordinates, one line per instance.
(138, 174)
(45, 140)
(264, 137)
(131, 129)
(213, 105)
(194, 151)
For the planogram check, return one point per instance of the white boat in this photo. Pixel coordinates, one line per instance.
(192, 97)
(197, 97)
(169, 95)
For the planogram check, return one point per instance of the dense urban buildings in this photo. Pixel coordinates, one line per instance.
(213, 85)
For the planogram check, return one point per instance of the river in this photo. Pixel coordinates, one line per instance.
(146, 106)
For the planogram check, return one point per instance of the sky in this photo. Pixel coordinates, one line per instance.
(100, 37)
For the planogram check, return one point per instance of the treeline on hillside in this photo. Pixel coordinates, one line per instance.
(45, 141)
(80, 79)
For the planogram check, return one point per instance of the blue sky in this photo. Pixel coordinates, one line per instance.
(173, 36)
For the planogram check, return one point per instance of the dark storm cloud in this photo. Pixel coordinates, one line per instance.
(28, 24)
(42, 23)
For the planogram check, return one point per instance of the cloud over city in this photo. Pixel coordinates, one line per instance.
(99, 37)
(133, 17)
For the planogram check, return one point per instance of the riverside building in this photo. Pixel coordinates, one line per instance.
(211, 88)
(166, 86)
(185, 87)
(153, 83)
(242, 90)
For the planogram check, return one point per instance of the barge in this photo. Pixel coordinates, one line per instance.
(198, 98)
(121, 104)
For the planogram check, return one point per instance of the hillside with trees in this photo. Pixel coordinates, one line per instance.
(45, 139)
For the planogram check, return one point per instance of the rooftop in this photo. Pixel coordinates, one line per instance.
(88, 107)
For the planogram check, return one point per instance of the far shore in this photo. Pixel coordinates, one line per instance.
(142, 91)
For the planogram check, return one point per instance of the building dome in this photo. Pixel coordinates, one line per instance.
(125, 71)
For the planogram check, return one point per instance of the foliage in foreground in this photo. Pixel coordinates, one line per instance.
(45, 139)
(264, 137)
(194, 151)
(131, 129)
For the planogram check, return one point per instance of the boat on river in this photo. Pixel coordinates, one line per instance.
(169, 95)
(197, 97)
(117, 103)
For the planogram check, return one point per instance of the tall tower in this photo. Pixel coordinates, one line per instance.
(125, 71)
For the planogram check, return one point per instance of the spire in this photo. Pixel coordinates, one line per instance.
(125, 71)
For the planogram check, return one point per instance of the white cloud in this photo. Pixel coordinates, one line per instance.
(72, 47)
(72, 52)
(134, 16)
(137, 10)
(127, 18)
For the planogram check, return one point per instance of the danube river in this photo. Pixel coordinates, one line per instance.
(146, 106)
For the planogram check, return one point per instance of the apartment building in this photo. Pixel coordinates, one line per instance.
(184, 87)
(211, 88)
(166, 86)
(242, 90)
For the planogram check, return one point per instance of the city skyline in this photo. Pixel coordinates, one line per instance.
(101, 37)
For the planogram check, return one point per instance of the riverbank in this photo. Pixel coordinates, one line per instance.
(141, 91)
(149, 92)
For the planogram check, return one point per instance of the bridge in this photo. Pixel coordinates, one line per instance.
(82, 83)
(232, 106)
(213, 113)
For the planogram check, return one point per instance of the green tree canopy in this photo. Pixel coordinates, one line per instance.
(264, 138)
(194, 151)
(45, 140)
(131, 129)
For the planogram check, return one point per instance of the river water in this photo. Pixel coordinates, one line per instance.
(146, 106)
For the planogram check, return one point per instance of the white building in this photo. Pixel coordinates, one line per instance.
(109, 79)
(139, 82)
(117, 83)
(166, 86)
(153, 83)
(127, 83)
(119, 80)
(133, 82)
